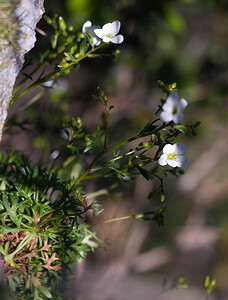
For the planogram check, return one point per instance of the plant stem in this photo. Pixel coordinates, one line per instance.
(33, 85)
(55, 73)
(90, 52)
(107, 127)
(100, 154)
(134, 216)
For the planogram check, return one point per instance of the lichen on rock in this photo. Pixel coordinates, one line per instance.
(20, 37)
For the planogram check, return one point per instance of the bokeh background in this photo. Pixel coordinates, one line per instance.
(183, 41)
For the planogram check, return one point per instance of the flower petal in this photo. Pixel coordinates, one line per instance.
(96, 39)
(163, 160)
(172, 99)
(178, 118)
(183, 103)
(86, 25)
(179, 148)
(168, 107)
(181, 161)
(172, 162)
(118, 39)
(107, 28)
(168, 149)
(99, 33)
(166, 117)
(106, 39)
(115, 27)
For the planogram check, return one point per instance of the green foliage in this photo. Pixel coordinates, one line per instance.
(37, 238)
(44, 227)
(209, 284)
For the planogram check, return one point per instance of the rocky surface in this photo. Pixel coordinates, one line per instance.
(25, 16)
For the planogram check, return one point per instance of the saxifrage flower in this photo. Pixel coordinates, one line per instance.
(87, 28)
(109, 31)
(172, 109)
(172, 155)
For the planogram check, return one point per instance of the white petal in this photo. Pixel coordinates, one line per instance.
(166, 117)
(96, 39)
(168, 149)
(107, 28)
(115, 27)
(86, 25)
(183, 103)
(106, 39)
(178, 118)
(118, 39)
(163, 160)
(179, 148)
(172, 99)
(172, 162)
(99, 33)
(167, 107)
(181, 161)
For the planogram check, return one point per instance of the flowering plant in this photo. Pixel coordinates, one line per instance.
(44, 226)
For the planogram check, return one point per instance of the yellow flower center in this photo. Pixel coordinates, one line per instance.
(174, 110)
(172, 156)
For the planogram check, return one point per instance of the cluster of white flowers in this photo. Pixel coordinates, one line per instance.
(172, 111)
(108, 33)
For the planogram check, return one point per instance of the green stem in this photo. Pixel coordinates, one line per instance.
(100, 154)
(50, 75)
(107, 127)
(87, 171)
(33, 85)
(59, 154)
(101, 192)
(24, 80)
(134, 216)
(90, 52)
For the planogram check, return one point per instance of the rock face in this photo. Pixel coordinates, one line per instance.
(25, 16)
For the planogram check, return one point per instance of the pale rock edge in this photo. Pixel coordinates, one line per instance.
(28, 13)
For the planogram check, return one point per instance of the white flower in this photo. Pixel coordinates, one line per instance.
(109, 31)
(172, 155)
(172, 109)
(87, 28)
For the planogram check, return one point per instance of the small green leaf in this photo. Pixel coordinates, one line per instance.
(209, 285)
(48, 20)
(149, 127)
(162, 197)
(70, 57)
(140, 217)
(27, 76)
(144, 173)
(54, 40)
(83, 47)
(62, 24)
(181, 128)
(207, 281)
(45, 291)
(151, 194)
